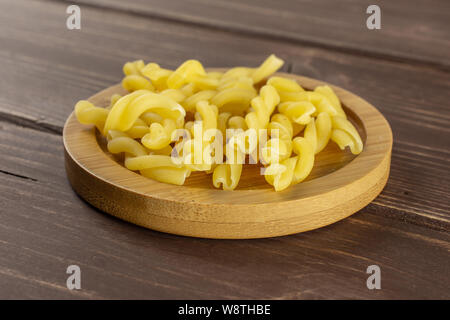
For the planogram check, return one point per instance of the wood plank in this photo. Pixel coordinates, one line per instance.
(418, 32)
(47, 68)
(45, 227)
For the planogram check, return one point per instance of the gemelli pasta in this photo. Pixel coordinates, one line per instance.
(175, 122)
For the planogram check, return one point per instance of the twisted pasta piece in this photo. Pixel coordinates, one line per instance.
(318, 132)
(228, 174)
(167, 174)
(175, 95)
(268, 67)
(201, 152)
(87, 113)
(279, 147)
(235, 73)
(236, 85)
(133, 67)
(136, 82)
(157, 75)
(130, 107)
(345, 135)
(320, 101)
(300, 112)
(157, 167)
(222, 122)
(292, 170)
(243, 82)
(138, 130)
(305, 159)
(236, 96)
(114, 98)
(189, 89)
(119, 143)
(226, 121)
(159, 135)
(331, 96)
(190, 103)
(263, 106)
(286, 88)
(189, 71)
(237, 122)
(205, 82)
(134, 78)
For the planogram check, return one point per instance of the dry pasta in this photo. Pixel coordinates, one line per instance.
(175, 122)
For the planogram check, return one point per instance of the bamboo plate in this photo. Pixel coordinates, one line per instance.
(339, 185)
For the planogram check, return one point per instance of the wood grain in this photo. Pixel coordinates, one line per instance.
(199, 210)
(39, 56)
(45, 227)
(417, 33)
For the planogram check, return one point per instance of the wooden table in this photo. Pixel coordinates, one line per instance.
(403, 69)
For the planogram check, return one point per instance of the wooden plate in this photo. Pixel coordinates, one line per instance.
(339, 185)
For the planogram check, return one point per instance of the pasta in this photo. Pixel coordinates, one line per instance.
(175, 122)
(318, 132)
(279, 147)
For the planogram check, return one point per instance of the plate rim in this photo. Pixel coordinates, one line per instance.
(379, 167)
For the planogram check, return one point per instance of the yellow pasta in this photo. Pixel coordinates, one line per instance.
(222, 122)
(267, 68)
(157, 75)
(321, 102)
(332, 98)
(134, 78)
(298, 111)
(318, 132)
(279, 147)
(227, 176)
(87, 113)
(133, 67)
(190, 103)
(119, 144)
(138, 130)
(136, 82)
(175, 95)
(188, 72)
(237, 96)
(114, 98)
(263, 106)
(174, 122)
(159, 134)
(167, 175)
(201, 151)
(345, 135)
(286, 88)
(292, 170)
(128, 108)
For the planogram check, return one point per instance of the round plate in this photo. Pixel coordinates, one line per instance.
(339, 185)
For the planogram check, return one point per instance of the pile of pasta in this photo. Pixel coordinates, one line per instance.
(142, 124)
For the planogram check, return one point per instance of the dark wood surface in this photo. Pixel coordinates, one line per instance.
(413, 31)
(403, 69)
